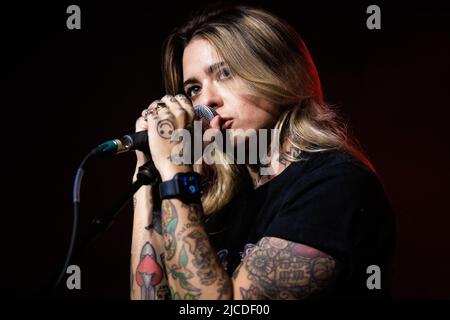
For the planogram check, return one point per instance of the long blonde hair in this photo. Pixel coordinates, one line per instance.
(273, 61)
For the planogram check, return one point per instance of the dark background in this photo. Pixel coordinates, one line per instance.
(66, 91)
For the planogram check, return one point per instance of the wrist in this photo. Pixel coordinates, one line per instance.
(168, 172)
(185, 186)
(141, 158)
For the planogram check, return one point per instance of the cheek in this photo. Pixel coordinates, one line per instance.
(257, 118)
(248, 110)
(258, 112)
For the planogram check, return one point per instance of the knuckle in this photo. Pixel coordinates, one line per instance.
(181, 110)
(154, 103)
(141, 124)
(181, 97)
(165, 114)
(179, 113)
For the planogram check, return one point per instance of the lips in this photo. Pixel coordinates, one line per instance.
(227, 124)
(221, 123)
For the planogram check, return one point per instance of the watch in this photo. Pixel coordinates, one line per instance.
(186, 186)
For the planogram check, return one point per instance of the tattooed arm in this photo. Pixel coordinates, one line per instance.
(193, 268)
(274, 269)
(148, 280)
(192, 265)
(280, 269)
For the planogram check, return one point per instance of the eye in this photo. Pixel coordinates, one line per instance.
(224, 73)
(192, 91)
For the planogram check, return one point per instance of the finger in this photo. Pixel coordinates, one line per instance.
(186, 104)
(154, 109)
(215, 122)
(154, 104)
(141, 124)
(161, 119)
(177, 111)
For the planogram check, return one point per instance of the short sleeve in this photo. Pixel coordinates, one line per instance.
(334, 209)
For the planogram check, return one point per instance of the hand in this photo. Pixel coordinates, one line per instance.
(141, 125)
(163, 117)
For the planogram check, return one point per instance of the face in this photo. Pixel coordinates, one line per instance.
(208, 81)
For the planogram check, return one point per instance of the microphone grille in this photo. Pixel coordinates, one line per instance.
(204, 112)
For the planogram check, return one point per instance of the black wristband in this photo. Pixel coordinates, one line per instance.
(184, 186)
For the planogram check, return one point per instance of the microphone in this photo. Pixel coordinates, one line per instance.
(139, 140)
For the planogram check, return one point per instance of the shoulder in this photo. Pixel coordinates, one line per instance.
(332, 171)
(330, 202)
(331, 163)
(331, 183)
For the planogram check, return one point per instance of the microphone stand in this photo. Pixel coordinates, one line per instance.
(147, 175)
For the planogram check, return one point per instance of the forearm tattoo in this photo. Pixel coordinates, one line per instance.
(179, 271)
(196, 258)
(183, 274)
(169, 225)
(224, 284)
(149, 272)
(279, 269)
(204, 258)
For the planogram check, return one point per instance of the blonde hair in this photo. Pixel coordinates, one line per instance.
(273, 61)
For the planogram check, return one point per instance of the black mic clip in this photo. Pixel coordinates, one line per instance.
(148, 174)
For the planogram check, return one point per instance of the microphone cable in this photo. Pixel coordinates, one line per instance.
(76, 209)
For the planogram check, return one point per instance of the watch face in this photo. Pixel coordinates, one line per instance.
(189, 184)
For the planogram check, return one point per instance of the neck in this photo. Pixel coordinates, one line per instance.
(275, 165)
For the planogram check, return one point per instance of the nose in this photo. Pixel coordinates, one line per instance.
(210, 96)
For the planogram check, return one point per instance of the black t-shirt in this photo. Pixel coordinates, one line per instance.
(329, 201)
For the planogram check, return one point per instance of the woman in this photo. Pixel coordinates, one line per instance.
(310, 229)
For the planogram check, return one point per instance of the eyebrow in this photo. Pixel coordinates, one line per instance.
(209, 70)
